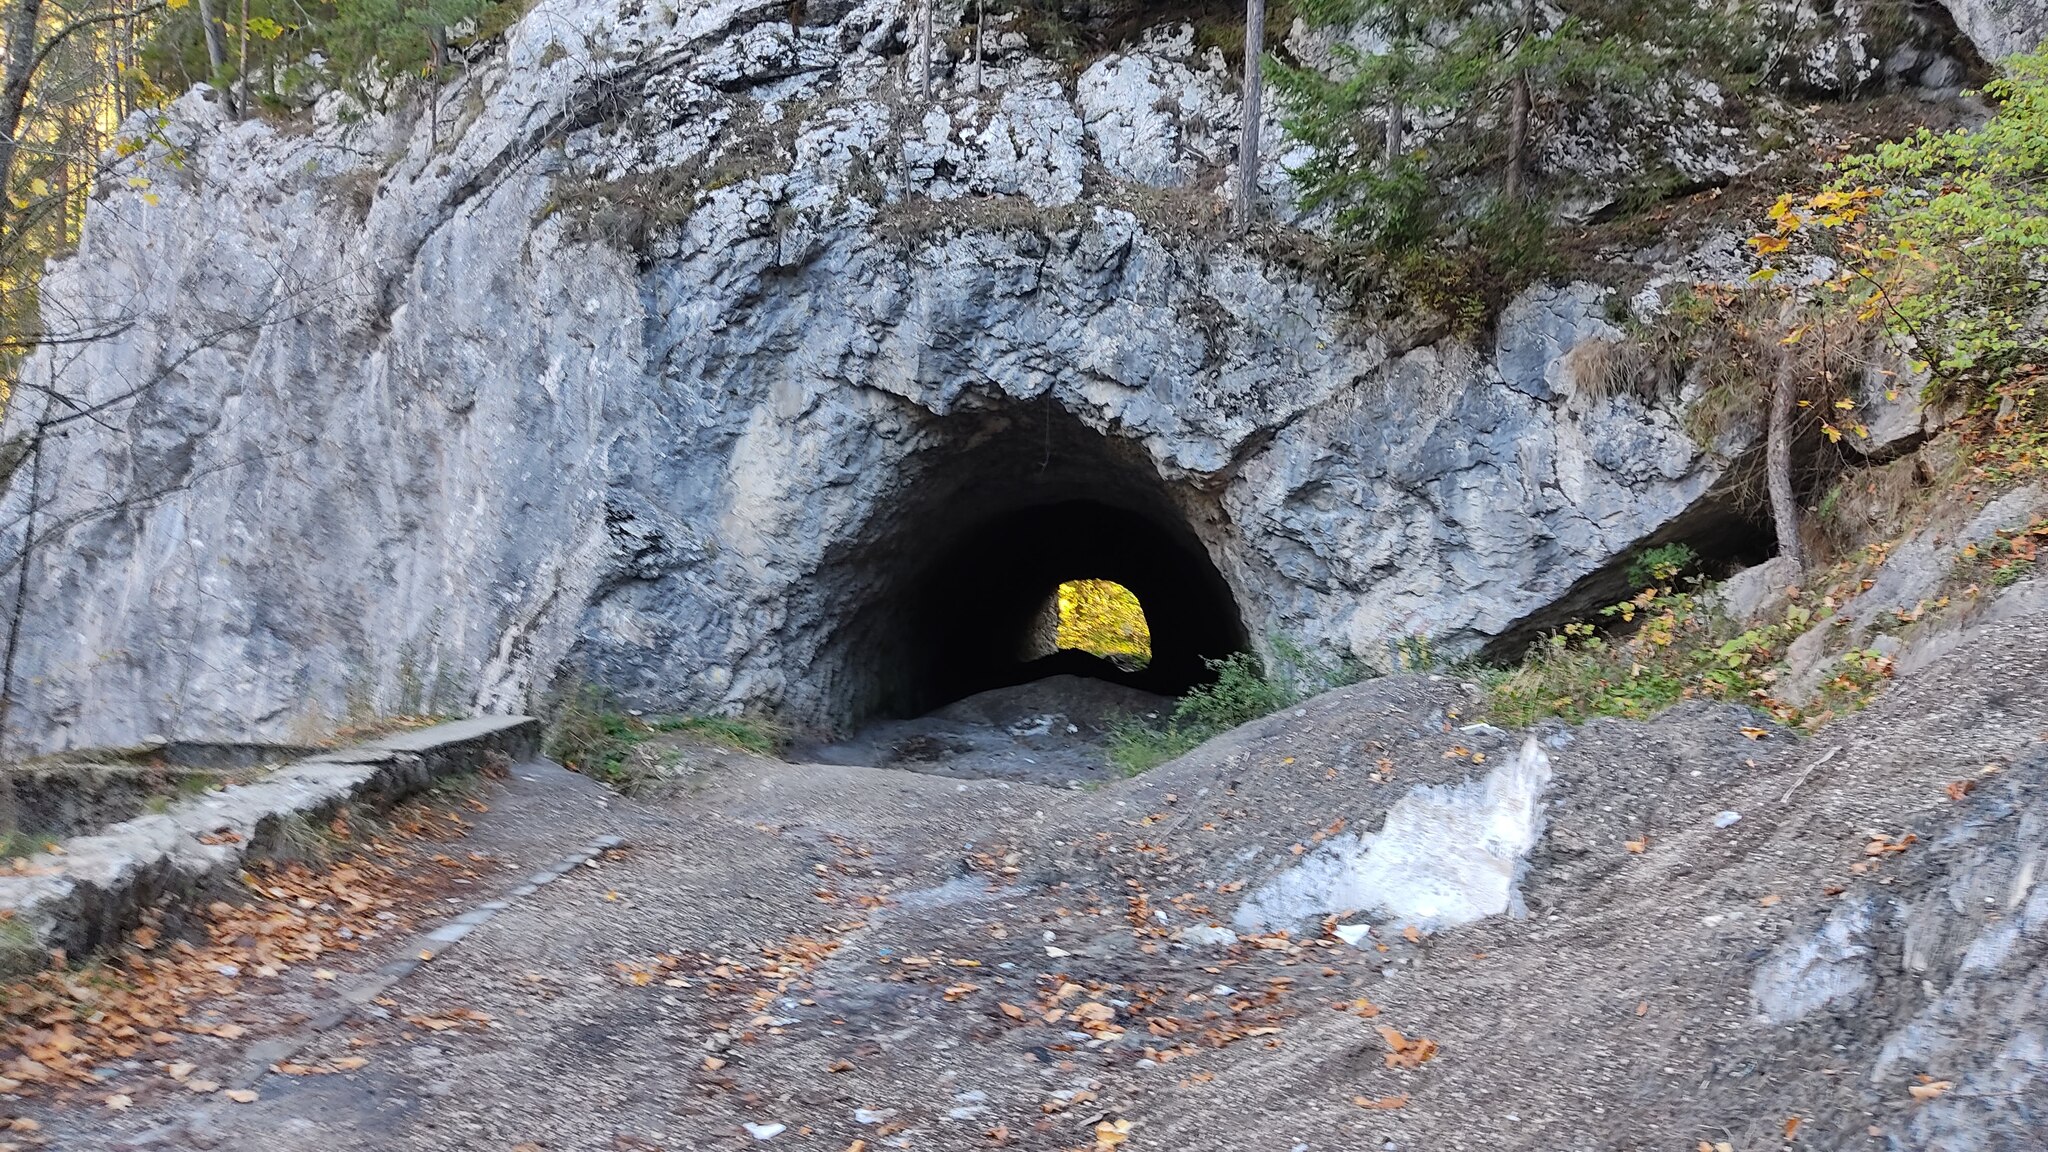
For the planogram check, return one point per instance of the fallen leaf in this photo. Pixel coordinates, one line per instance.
(351, 1063)
(1642, 1007)
(1010, 1010)
(201, 1086)
(839, 1066)
(1756, 733)
(119, 1101)
(240, 1095)
(1957, 789)
(1637, 845)
(1383, 1104)
(1403, 1052)
(1769, 900)
(713, 1063)
(1412, 934)
(1929, 1091)
(1111, 1133)
(1792, 1127)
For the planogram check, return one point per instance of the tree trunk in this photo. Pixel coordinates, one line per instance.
(32, 459)
(1397, 113)
(16, 72)
(1248, 135)
(1520, 99)
(1778, 457)
(242, 65)
(925, 41)
(216, 57)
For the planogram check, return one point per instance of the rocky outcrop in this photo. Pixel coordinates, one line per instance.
(2001, 28)
(670, 342)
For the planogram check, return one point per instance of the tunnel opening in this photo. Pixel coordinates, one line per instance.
(1100, 617)
(955, 587)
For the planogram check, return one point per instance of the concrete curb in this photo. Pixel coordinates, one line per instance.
(86, 897)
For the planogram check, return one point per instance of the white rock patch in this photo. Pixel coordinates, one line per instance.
(1446, 855)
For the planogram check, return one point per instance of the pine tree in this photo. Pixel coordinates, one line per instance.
(1407, 139)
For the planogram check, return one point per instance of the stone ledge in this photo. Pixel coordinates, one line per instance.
(85, 898)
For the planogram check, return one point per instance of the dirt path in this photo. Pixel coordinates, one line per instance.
(803, 956)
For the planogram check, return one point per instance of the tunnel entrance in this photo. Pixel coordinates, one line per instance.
(954, 588)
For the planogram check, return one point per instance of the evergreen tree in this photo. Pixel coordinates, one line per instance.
(1407, 137)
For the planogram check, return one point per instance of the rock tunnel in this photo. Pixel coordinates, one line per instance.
(945, 591)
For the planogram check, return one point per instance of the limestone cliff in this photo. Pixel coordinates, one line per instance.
(675, 345)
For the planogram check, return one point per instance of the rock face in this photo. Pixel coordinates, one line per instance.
(1948, 972)
(677, 349)
(2001, 28)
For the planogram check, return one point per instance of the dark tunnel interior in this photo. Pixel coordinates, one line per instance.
(985, 598)
(946, 594)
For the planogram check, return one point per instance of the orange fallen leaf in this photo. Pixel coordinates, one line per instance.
(1756, 733)
(1637, 845)
(1957, 789)
(1110, 1133)
(1769, 900)
(240, 1095)
(1412, 934)
(1928, 1091)
(1383, 1104)
(1010, 1010)
(1792, 1127)
(1403, 1052)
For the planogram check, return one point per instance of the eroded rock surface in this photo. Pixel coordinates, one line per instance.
(618, 359)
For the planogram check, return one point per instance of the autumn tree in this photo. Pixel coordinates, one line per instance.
(1937, 243)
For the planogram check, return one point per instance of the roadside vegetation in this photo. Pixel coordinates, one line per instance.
(590, 734)
(1245, 689)
(1922, 258)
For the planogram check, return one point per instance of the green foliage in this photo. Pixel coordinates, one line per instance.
(1958, 250)
(295, 48)
(1661, 646)
(591, 735)
(1941, 237)
(1444, 78)
(1104, 618)
(1241, 692)
(1136, 746)
(1245, 689)
(1661, 565)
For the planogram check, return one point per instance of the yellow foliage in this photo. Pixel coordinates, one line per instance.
(1103, 617)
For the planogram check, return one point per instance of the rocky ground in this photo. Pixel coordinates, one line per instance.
(1050, 731)
(830, 957)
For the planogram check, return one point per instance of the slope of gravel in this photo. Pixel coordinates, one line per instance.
(863, 954)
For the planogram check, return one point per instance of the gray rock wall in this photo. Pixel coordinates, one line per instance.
(611, 358)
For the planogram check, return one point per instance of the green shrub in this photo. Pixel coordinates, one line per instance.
(1241, 692)
(591, 735)
(1245, 689)
(1661, 646)
(1660, 565)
